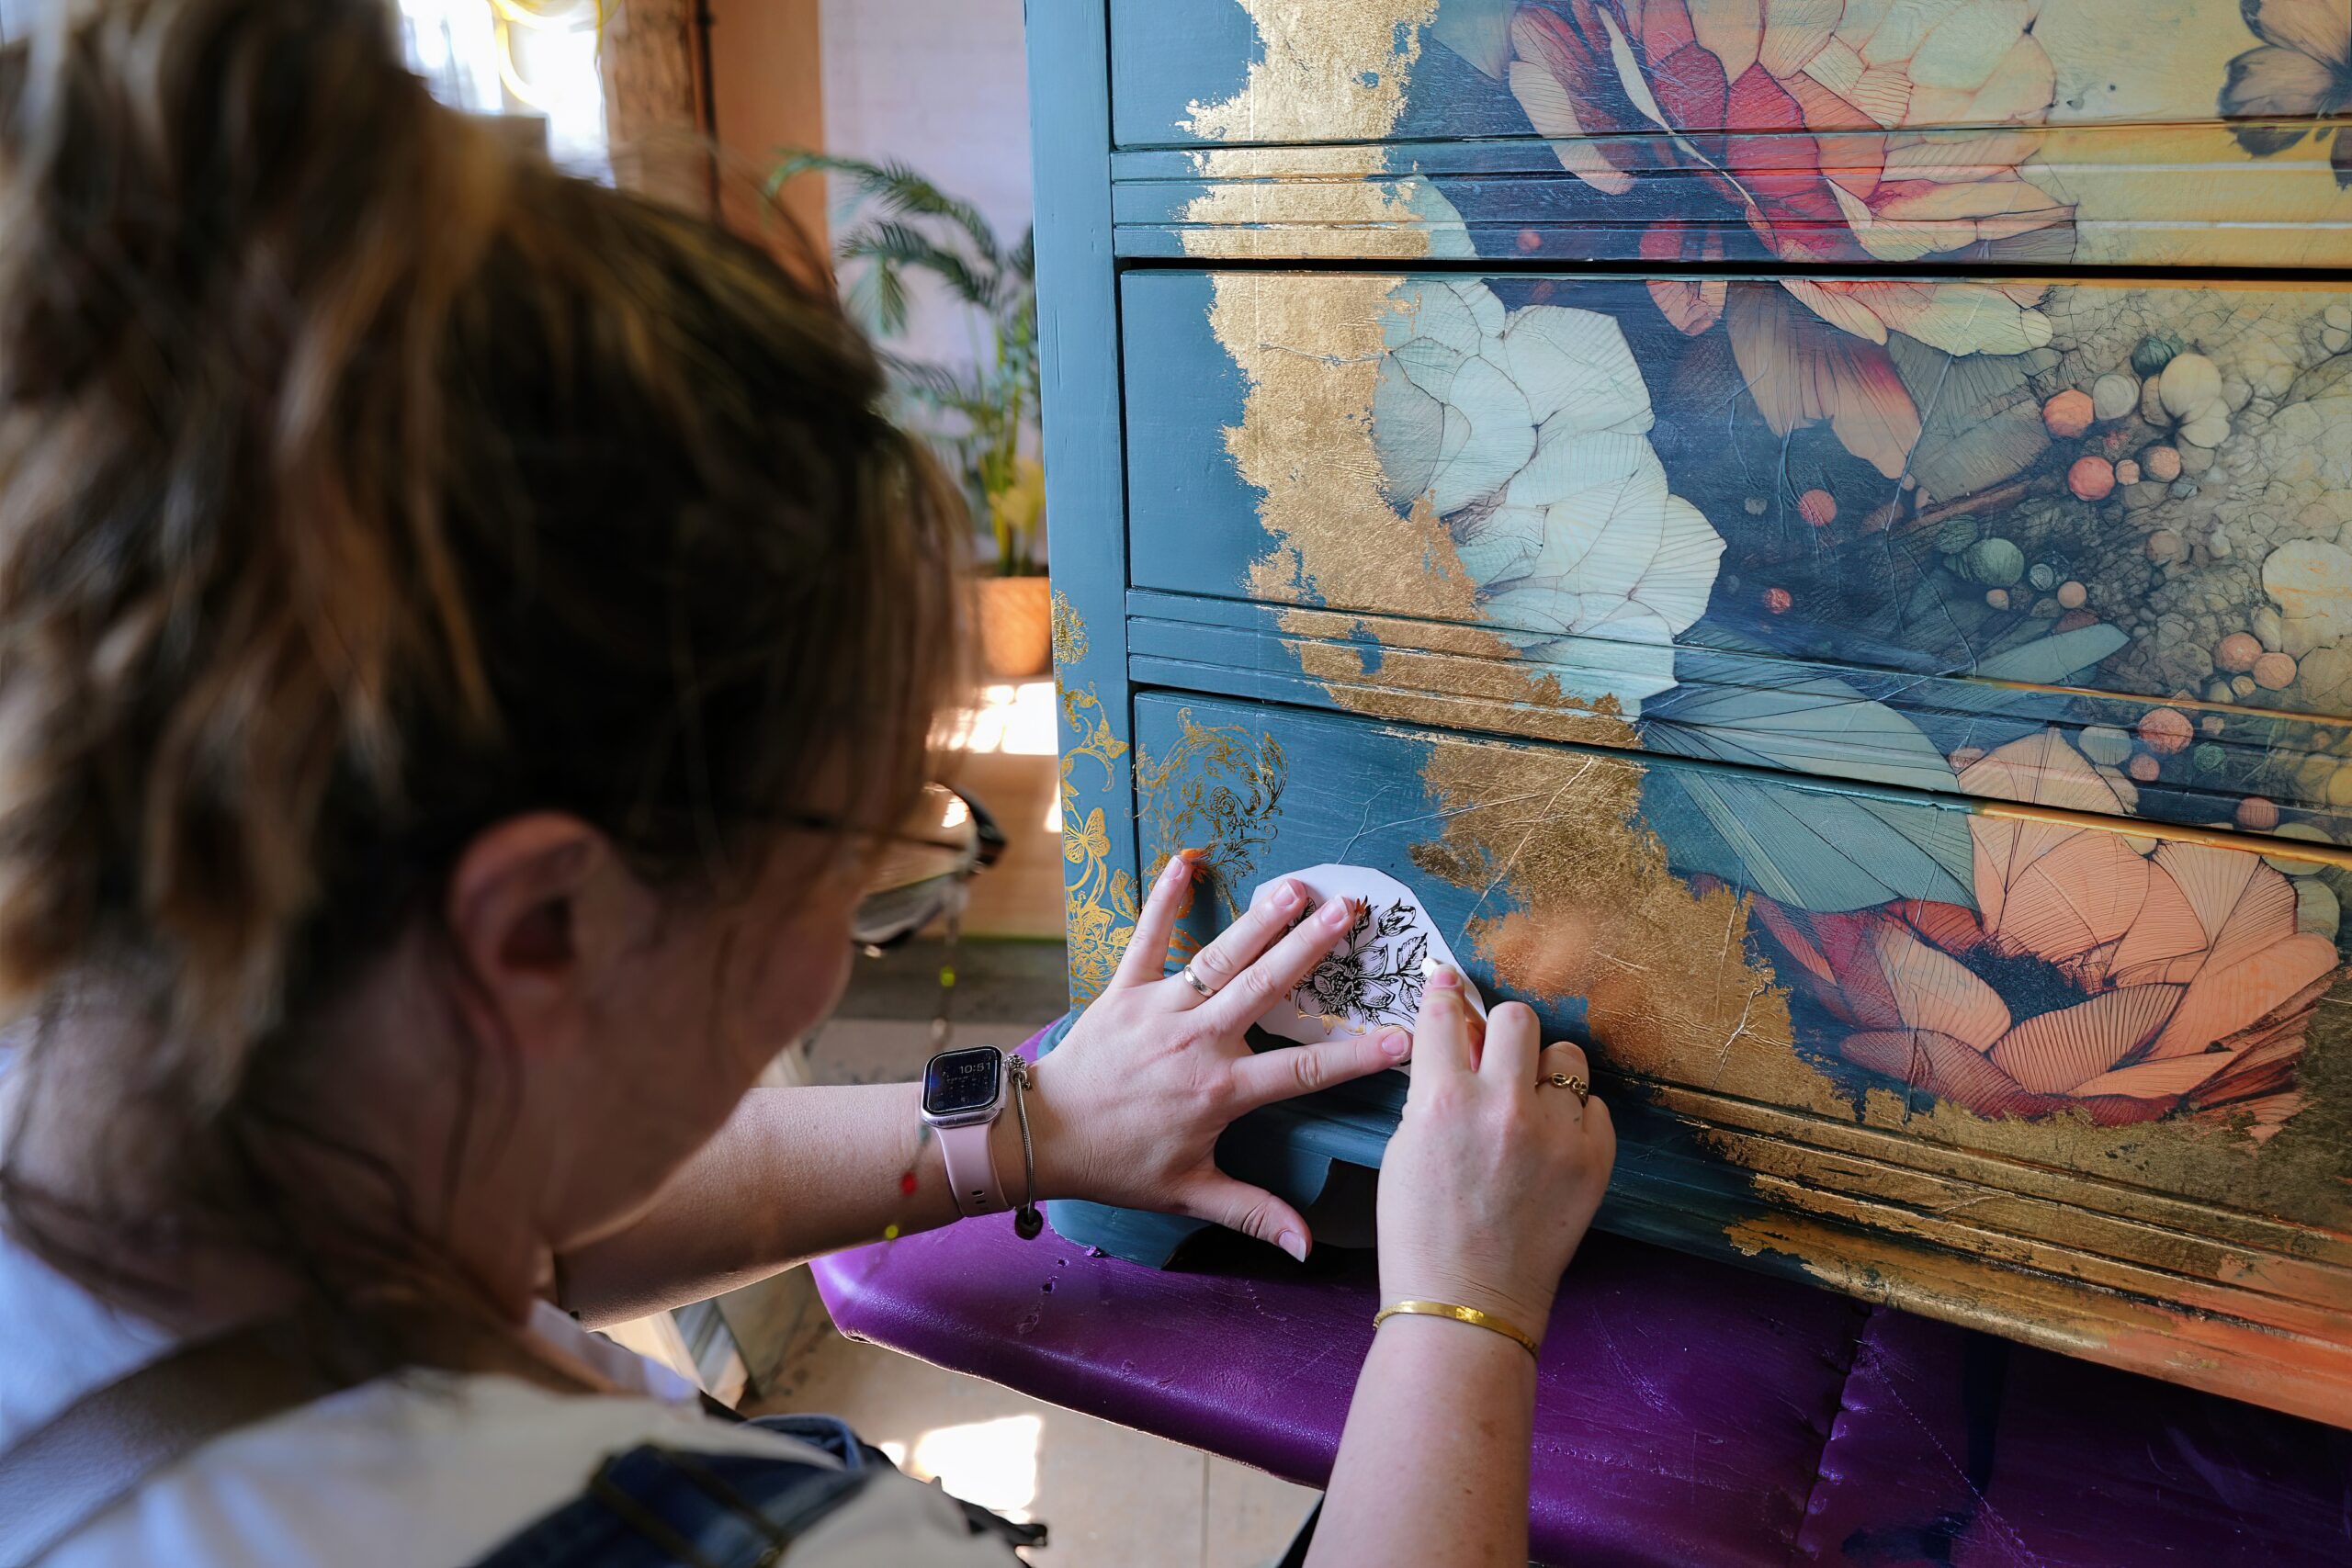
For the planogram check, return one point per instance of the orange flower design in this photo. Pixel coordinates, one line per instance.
(2091, 978)
(1810, 122)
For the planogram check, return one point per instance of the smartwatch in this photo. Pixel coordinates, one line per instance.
(963, 1094)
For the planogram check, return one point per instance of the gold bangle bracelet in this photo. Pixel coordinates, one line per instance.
(1459, 1314)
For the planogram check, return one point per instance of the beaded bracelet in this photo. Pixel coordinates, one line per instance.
(1026, 1221)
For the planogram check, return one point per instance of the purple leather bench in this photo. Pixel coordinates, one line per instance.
(1688, 1413)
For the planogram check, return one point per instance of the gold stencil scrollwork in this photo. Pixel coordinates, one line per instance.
(1219, 790)
(1099, 900)
(1070, 633)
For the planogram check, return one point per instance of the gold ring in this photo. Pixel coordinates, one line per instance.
(1194, 981)
(1574, 1085)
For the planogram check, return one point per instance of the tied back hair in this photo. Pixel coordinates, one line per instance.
(362, 482)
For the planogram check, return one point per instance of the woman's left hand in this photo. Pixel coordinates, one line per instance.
(1128, 1108)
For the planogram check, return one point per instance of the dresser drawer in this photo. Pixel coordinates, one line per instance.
(1996, 1063)
(2097, 131)
(1819, 538)
(1773, 541)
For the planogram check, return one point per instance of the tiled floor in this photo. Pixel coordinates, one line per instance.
(1114, 1498)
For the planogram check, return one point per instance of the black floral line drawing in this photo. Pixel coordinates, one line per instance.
(1374, 977)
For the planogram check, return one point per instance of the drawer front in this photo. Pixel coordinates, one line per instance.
(1815, 536)
(1558, 505)
(2106, 131)
(2004, 1065)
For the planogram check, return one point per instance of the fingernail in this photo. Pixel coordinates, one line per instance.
(1192, 857)
(1294, 1244)
(1395, 1045)
(1286, 896)
(1179, 867)
(1337, 914)
(1441, 975)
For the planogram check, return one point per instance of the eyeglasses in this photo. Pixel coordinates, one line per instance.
(926, 868)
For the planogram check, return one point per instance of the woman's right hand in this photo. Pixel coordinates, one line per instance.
(1494, 1173)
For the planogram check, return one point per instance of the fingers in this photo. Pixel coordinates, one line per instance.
(1567, 1057)
(1240, 944)
(1147, 955)
(1441, 1045)
(1278, 971)
(1601, 1132)
(1268, 1076)
(1252, 1210)
(1514, 1041)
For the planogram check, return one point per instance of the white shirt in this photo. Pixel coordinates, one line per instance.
(422, 1469)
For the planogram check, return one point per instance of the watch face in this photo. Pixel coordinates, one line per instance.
(959, 1082)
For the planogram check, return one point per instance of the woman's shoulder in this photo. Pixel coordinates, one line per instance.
(62, 1342)
(434, 1469)
(420, 1468)
(425, 1468)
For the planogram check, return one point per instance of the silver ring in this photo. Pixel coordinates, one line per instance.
(1194, 981)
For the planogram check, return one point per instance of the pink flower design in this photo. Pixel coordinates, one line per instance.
(1810, 120)
(2090, 977)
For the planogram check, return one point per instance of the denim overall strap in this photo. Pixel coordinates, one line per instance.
(653, 1505)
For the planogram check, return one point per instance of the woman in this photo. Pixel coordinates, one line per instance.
(466, 639)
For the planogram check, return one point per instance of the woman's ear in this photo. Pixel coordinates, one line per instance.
(512, 915)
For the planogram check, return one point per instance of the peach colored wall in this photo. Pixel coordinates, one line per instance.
(767, 92)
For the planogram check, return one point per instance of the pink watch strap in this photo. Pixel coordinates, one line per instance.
(971, 1169)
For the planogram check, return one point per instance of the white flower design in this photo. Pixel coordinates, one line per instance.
(1528, 432)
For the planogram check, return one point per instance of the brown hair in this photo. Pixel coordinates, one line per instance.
(363, 482)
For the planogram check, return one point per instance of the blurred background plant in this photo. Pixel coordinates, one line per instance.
(894, 229)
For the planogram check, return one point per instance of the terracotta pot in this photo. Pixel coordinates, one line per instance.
(1016, 616)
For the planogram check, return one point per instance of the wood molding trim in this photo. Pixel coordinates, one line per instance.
(657, 101)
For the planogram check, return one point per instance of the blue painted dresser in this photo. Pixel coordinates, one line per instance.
(1817, 533)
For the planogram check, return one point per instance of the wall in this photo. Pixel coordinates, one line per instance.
(945, 86)
(767, 94)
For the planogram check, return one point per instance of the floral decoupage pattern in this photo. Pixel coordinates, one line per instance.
(2062, 546)
(1374, 978)
(1798, 81)
(2130, 513)
(2303, 66)
(2080, 974)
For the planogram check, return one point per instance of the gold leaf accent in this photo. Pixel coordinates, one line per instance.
(1328, 71)
(1359, 219)
(1671, 988)
(1310, 353)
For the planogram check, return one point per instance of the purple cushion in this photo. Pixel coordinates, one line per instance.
(1957, 1448)
(1681, 1403)
(1687, 1411)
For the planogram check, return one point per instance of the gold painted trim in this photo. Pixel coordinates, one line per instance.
(2336, 855)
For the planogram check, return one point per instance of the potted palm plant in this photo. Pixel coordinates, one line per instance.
(896, 226)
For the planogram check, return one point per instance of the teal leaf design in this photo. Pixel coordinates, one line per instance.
(2051, 660)
(2048, 660)
(1807, 723)
(1813, 850)
(1477, 31)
